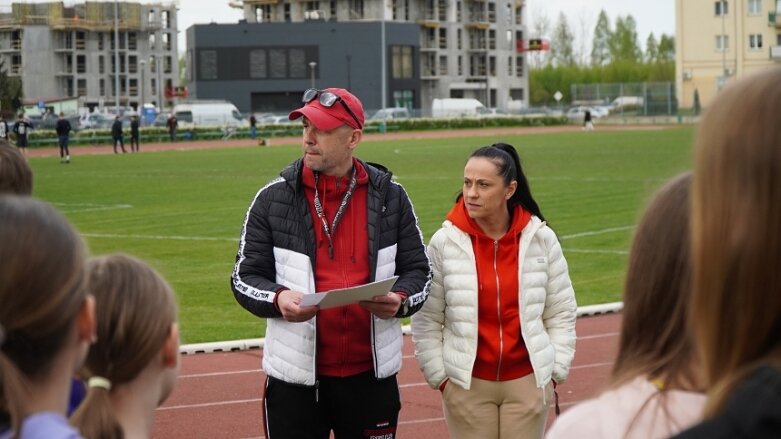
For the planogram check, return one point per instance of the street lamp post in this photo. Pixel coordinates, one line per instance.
(312, 66)
(116, 57)
(143, 87)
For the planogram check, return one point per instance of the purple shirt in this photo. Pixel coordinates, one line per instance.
(45, 425)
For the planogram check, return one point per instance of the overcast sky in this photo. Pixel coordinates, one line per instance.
(657, 16)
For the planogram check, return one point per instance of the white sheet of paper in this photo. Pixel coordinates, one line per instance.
(346, 296)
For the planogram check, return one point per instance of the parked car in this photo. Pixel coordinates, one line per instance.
(391, 113)
(273, 119)
(161, 120)
(577, 113)
(96, 121)
(50, 122)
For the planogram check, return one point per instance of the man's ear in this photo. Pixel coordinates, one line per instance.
(171, 347)
(355, 138)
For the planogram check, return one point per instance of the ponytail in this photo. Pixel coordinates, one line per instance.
(13, 391)
(95, 417)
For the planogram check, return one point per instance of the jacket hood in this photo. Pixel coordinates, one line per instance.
(459, 216)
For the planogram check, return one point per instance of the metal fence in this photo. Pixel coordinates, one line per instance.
(636, 99)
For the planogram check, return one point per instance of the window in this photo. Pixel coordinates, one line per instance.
(208, 64)
(509, 66)
(754, 7)
(257, 64)
(755, 41)
(100, 41)
(132, 41)
(152, 41)
(458, 12)
(721, 8)
(278, 63)
(81, 87)
(298, 64)
(403, 98)
(519, 66)
(166, 18)
(460, 65)
(287, 11)
(166, 41)
(519, 15)
(443, 38)
(443, 65)
(491, 39)
(101, 64)
(102, 85)
(263, 14)
(401, 63)
(458, 38)
(722, 42)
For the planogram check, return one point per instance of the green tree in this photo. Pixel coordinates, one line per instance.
(666, 49)
(600, 52)
(651, 49)
(561, 44)
(10, 90)
(623, 44)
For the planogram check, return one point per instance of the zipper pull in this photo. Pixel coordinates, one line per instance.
(317, 391)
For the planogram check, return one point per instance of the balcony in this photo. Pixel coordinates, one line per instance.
(775, 53)
(774, 19)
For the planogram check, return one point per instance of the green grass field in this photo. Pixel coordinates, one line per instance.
(182, 210)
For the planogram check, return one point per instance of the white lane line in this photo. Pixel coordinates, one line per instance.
(587, 366)
(597, 232)
(607, 334)
(210, 404)
(157, 237)
(213, 374)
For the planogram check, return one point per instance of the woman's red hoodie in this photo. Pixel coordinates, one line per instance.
(501, 352)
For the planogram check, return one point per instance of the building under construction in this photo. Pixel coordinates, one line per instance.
(393, 53)
(70, 51)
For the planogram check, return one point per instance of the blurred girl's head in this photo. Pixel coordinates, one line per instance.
(654, 339)
(137, 339)
(45, 311)
(736, 232)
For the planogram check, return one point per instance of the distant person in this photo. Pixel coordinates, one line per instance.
(22, 128)
(133, 366)
(117, 136)
(172, 125)
(655, 387)
(3, 128)
(134, 133)
(331, 221)
(736, 301)
(47, 318)
(498, 329)
(253, 130)
(16, 176)
(588, 125)
(63, 128)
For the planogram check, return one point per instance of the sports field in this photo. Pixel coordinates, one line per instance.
(182, 210)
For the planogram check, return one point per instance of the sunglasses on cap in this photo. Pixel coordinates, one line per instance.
(328, 99)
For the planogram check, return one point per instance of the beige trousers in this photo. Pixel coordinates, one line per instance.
(497, 409)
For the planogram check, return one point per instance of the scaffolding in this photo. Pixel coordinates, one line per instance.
(88, 16)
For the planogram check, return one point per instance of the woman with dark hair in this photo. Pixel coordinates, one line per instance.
(654, 390)
(498, 328)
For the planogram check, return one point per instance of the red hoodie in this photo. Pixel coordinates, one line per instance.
(343, 333)
(501, 352)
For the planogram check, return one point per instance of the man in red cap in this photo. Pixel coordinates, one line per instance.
(331, 221)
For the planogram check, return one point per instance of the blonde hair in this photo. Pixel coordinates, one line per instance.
(42, 260)
(135, 310)
(736, 233)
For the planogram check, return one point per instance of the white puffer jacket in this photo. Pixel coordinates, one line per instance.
(445, 329)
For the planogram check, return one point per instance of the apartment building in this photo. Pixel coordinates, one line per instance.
(70, 51)
(389, 52)
(720, 40)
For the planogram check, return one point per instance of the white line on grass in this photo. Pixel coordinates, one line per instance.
(606, 252)
(597, 232)
(157, 237)
(90, 207)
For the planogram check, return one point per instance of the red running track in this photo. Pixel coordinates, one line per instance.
(219, 394)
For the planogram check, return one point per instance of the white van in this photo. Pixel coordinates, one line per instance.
(456, 107)
(209, 113)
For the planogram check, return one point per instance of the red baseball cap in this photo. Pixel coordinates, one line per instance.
(328, 118)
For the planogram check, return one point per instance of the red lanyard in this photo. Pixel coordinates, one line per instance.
(329, 232)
